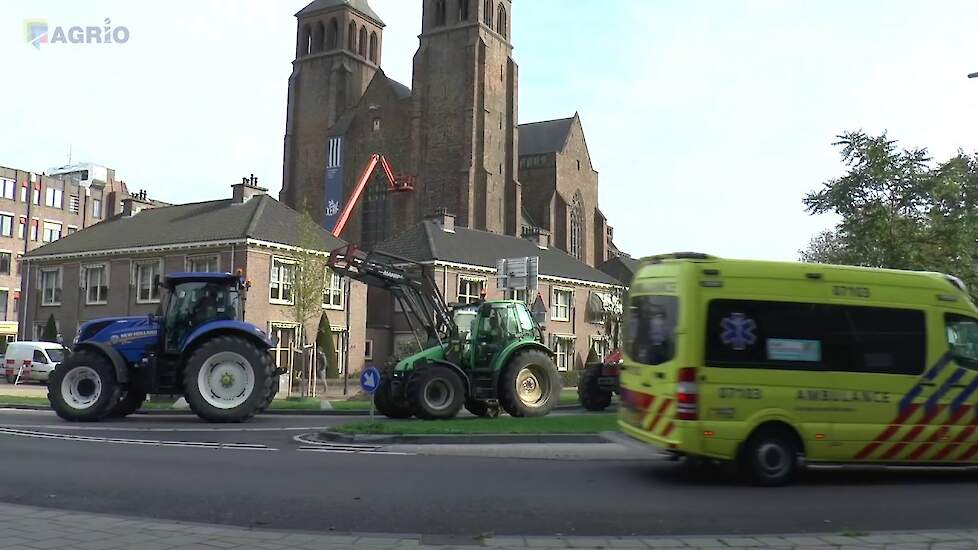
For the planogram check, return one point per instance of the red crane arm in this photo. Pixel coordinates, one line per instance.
(393, 185)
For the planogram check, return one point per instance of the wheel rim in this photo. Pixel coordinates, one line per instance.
(533, 385)
(773, 459)
(438, 394)
(81, 388)
(226, 380)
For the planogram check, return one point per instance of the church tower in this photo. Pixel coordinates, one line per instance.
(338, 50)
(465, 114)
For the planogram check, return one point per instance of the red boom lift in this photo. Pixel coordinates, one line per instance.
(395, 184)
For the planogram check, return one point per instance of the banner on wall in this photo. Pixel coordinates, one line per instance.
(334, 181)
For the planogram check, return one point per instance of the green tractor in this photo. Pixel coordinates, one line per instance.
(482, 356)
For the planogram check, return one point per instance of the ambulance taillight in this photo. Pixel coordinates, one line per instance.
(687, 407)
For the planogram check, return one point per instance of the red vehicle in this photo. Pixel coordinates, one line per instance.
(599, 382)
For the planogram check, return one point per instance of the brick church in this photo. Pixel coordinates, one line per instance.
(455, 129)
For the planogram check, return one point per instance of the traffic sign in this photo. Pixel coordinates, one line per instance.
(370, 379)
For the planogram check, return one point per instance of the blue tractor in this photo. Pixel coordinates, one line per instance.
(196, 345)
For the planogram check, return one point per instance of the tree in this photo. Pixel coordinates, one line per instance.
(309, 276)
(898, 211)
(324, 341)
(50, 332)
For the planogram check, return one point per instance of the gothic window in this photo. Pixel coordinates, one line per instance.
(305, 41)
(501, 23)
(363, 42)
(333, 38)
(487, 12)
(373, 48)
(317, 38)
(375, 213)
(463, 10)
(351, 37)
(577, 227)
(440, 12)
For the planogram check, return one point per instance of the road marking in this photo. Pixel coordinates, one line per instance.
(145, 442)
(350, 449)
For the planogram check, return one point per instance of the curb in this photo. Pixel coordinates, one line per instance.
(453, 439)
(271, 412)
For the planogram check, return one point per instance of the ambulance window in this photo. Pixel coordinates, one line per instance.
(652, 324)
(962, 338)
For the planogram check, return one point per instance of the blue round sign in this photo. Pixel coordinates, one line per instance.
(370, 379)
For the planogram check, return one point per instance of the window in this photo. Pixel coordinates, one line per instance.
(560, 308)
(463, 10)
(470, 289)
(36, 196)
(502, 25)
(820, 337)
(440, 13)
(23, 193)
(577, 227)
(71, 229)
(39, 357)
(351, 37)
(376, 125)
(373, 48)
(5, 263)
(368, 350)
(73, 204)
(6, 225)
(34, 225)
(7, 188)
(21, 227)
(4, 298)
(962, 339)
(210, 263)
(516, 294)
(52, 231)
(50, 287)
(333, 291)
(601, 346)
(564, 348)
(651, 331)
(487, 12)
(280, 282)
(362, 44)
(333, 36)
(54, 198)
(97, 208)
(147, 279)
(96, 284)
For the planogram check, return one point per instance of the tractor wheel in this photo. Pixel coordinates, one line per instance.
(388, 404)
(435, 392)
(227, 379)
(592, 397)
(83, 388)
(129, 403)
(272, 392)
(529, 384)
(481, 408)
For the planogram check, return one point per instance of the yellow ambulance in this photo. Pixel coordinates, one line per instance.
(769, 364)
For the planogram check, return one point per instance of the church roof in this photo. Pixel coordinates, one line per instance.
(427, 242)
(622, 268)
(361, 6)
(400, 90)
(549, 136)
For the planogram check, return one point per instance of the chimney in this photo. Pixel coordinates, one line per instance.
(444, 220)
(248, 188)
(538, 236)
(136, 202)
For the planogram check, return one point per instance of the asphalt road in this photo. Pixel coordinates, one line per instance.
(261, 478)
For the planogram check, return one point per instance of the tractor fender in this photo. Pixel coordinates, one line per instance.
(228, 327)
(118, 362)
(457, 369)
(504, 356)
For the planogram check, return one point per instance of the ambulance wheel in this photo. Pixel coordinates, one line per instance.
(770, 457)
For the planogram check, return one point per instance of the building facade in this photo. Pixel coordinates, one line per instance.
(455, 130)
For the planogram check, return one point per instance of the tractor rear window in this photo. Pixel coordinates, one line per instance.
(652, 324)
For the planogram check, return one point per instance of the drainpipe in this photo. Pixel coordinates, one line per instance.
(25, 286)
(346, 339)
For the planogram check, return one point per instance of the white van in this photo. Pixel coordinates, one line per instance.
(37, 359)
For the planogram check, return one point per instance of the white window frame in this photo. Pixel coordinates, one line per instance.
(10, 264)
(23, 193)
(8, 232)
(275, 280)
(71, 229)
(86, 269)
(138, 276)
(35, 229)
(333, 291)
(514, 294)
(469, 298)
(55, 297)
(97, 209)
(558, 312)
(368, 349)
(36, 196)
(74, 203)
(605, 342)
(47, 229)
(562, 356)
(8, 190)
(216, 258)
(54, 197)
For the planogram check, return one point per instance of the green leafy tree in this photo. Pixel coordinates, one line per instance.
(50, 333)
(898, 211)
(309, 278)
(324, 341)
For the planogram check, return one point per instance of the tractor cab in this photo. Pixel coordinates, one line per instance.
(196, 299)
(497, 326)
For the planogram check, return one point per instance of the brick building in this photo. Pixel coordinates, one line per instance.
(462, 262)
(109, 269)
(456, 129)
(36, 209)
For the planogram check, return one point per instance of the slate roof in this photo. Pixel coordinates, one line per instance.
(261, 218)
(426, 241)
(549, 136)
(361, 6)
(622, 268)
(400, 90)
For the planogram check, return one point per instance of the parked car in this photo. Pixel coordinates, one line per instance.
(38, 360)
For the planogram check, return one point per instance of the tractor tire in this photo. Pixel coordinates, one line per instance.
(590, 394)
(228, 379)
(129, 403)
(481, 408)
(272, 392)
(388, 404)
(83, 388)
(435, 392)
(529, 385)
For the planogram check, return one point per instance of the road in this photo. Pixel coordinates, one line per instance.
(262, 477)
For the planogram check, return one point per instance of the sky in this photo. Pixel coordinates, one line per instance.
(708, 120)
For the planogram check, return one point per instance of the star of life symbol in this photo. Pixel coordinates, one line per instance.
(738, 331)
(332, 208)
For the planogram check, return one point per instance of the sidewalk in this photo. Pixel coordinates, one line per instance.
(38, 528)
